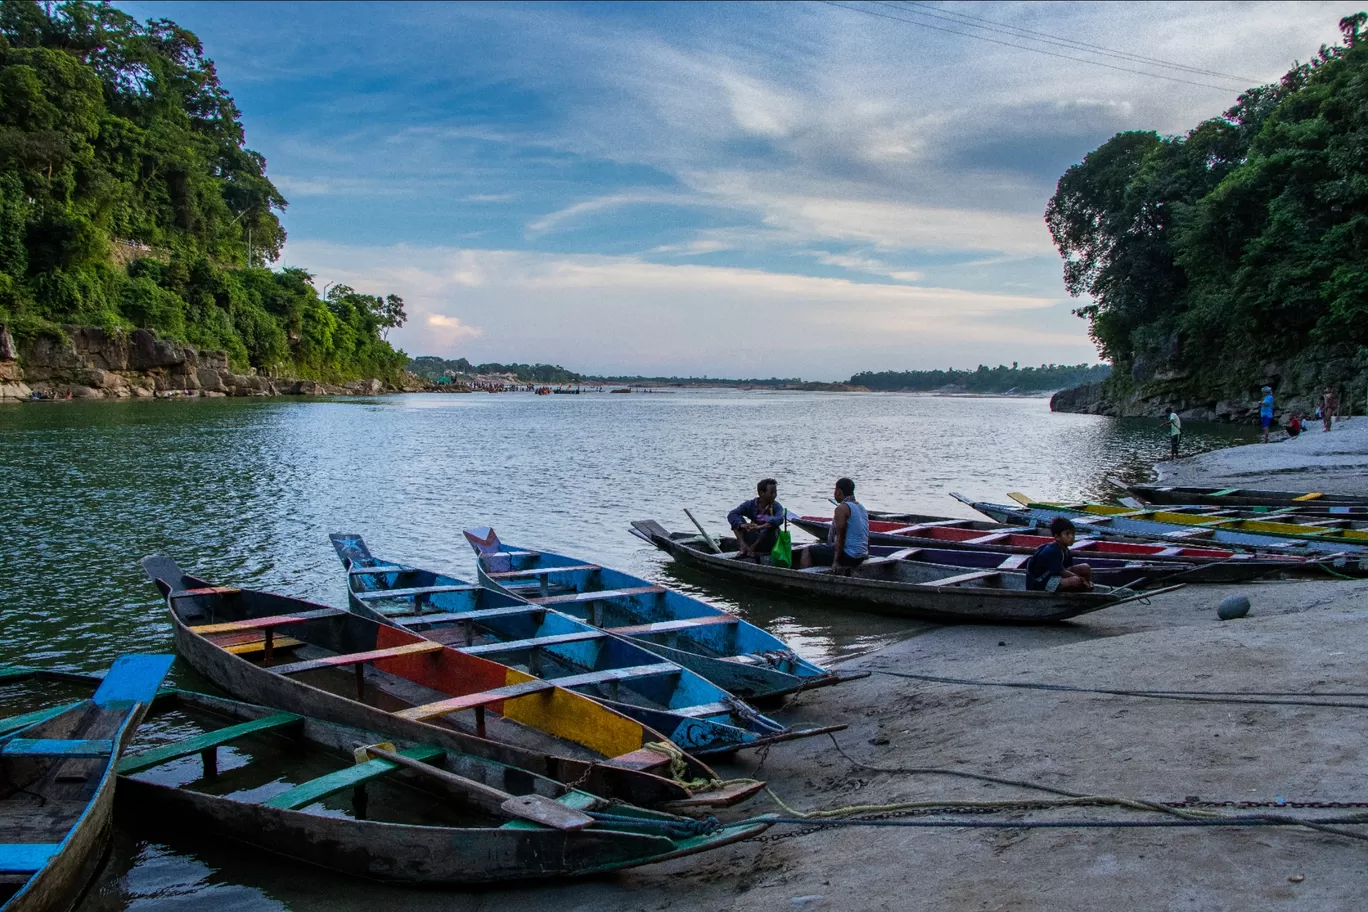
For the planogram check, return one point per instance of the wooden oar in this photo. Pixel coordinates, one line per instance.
(716, 549)
(534, 808)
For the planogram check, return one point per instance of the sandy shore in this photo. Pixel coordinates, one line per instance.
(1334, 462)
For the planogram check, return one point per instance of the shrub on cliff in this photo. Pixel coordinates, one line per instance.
(119, 145)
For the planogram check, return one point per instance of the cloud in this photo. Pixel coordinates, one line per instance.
(447, 332)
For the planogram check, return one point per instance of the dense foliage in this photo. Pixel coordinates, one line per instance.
(1001, 379)
(1238, 252)
(434, 368)
(128, 199)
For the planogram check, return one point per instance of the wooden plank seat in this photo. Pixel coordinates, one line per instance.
(70, 748)
(376, 594)
(599, 596)
(307, 793)
(1015, 562)
(357, 658)
(207, 590)
(246, 644)
(534, 643)
(14, 723)
(475, 700)
(199, 743)
(517, 554)
(674, 626)
(964, 578)
(702, 710)
(26, 857)
(542, 571)
(896, 556)
(275, 620)
(377, 571)
(448, 617)
(618, 674)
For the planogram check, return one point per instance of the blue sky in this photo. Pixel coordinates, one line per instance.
(796, 189)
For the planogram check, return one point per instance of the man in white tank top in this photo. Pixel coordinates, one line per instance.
(848, 544)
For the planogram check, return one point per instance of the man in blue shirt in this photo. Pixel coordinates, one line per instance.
(1051, 568)
(1266, 410)
(756, 522)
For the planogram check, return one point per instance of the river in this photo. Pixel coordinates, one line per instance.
(245, 492)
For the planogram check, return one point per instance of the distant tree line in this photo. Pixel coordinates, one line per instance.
(128, 199)
(1001, 379)
(434, 368)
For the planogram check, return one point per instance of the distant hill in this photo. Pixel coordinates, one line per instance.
(433, 368)
(1001, 379)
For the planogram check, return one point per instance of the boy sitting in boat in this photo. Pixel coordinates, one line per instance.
(847, 540)
(1051, 567)
(756, 522)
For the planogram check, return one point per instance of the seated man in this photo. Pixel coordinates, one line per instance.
(1051, 568)
(1294, 425)
(848, 540)
(756, 522)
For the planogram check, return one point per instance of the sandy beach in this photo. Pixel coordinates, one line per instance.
(1267, 733)
(1335, 462)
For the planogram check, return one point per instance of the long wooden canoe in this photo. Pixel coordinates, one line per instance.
(732, 653)
(889, 585)
(327, 662)
(1184, 533)
(57, 784)
(699, 716)
(1196, 563)
(311, 791)
(1331, 536)
(1241, 497)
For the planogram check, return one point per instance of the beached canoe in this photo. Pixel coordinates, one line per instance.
(1241, 497)
(887, 584)
(1190, 530)
(734, 654)
(57, 783)
(1197, 564)
(405, 811)
(327, 662)
(696, 714)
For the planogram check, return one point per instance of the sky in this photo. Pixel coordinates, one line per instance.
(800, 189)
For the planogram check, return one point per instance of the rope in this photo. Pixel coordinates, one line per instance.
(679, 769)
(1277, 820)
(674, 828)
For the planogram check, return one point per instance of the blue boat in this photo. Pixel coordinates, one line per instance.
(57, 776)
(732, 653)
(694, 713)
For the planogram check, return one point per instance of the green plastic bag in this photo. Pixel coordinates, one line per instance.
(782, 553)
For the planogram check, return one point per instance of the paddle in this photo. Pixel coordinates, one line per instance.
(716, 549)
(533, 808)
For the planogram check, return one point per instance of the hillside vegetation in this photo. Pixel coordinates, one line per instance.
(129, 200)
(1237, 254)
(1000, 379)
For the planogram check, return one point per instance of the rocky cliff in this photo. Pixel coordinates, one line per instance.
(91, 363)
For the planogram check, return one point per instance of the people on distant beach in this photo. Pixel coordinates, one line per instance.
(1175, 432)
(1294, 425)
(1266, 410)
(1052, 568)
(848, 540)
(756, 522)
(1328, 406)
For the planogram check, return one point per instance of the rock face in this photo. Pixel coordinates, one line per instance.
(92, 363)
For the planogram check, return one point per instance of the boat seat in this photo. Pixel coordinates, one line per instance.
(277, 620)
(158, 755)
(376, 594)
(14, 723)
(376, 571)
(702, 710)
(71, 749)
(963, 578)
(618, 674)
(1015, 562)
(253, 645)
(896, 556)
(542, 571)
(356, 658)
(534, 643)
(475, 700)
(307, 793)
(26, 857)
(208, 590)
(516, 554)
(599, 596)
(674, 626)
(447, 617)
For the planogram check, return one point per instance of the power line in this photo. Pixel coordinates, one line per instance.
(1044, 37)
(1022, 47)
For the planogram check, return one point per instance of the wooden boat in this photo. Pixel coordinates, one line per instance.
(887, 584)
(699, 716)
(732, 653)
(1198, 564)
(1186, 531)
(404, 811)
(327, 662)
(57, 785)
(1320, 530)
(1240, 497)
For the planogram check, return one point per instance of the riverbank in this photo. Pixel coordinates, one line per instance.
(1334, 462)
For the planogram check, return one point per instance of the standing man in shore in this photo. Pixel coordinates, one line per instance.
(1175, 432)
(1328, 406)
(1266, 410)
